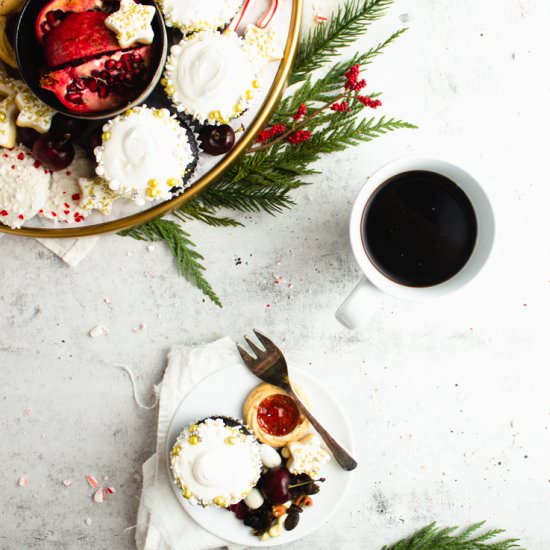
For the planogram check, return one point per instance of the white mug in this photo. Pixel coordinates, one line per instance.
(363, 299)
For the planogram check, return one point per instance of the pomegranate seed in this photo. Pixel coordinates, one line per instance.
(110, 64)
(95, 72)
(74, 97)
(118, 65)
(60, 14)
(103, 91)
(51, 18)
(92, 84)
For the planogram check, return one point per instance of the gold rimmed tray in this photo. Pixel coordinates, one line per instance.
(257, 118)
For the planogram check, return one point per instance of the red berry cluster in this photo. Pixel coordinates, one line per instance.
(299, 137)
(270, 133)
(352, 79)
(342, 107)
(369, 102)
(300, 112)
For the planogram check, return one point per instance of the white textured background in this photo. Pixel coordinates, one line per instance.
(450, 401)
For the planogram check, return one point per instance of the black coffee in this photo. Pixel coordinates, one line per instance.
(419, 228)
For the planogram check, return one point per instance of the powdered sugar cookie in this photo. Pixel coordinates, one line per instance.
(64, 198)
(24, 187)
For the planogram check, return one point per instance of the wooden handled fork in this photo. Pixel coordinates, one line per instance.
(270, 366)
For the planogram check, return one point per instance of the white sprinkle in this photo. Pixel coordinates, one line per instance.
(67, 482)
(100, 330)
(88, 521)
(108, 301)
(151, 248)
(22, 482)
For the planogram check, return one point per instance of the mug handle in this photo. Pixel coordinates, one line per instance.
(359, 306)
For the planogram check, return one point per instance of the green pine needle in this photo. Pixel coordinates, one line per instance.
(432, 537)
(326, 41)
(180, 245)
(196, 211)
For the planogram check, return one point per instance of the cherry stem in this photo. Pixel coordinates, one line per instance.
(320, 480)
(299, 124)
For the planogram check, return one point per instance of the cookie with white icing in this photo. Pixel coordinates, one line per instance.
(144, 154)
(198, 15)
(96, 195)
(64, 198)
(210, 77)
(24, 187)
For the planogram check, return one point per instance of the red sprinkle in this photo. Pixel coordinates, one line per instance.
(54, 214)
(76, 197)
(67, 205)
(66, 212)
(21, 217)
(13, 166)
(4, 213)
(37, 164)
(21, 156)
(68, 172)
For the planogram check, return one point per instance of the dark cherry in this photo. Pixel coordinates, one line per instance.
(217, 140)
(94, 140)
(54, 152)
(62, 125)
(27, 136)
(274, 485)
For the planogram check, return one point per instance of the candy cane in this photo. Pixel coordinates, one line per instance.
(232, 27)
(266, 18)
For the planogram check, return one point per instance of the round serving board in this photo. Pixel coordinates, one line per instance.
(126, 213)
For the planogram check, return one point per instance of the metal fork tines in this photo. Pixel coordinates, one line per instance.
(269, 365)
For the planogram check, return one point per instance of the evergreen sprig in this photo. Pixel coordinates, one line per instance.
(344, 27)
(432, 537)
(179, 243)
(263, 180)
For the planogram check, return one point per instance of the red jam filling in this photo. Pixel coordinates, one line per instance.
(278, 415)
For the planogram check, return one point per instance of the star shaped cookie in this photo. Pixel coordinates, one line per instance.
(33, 113)
(132, 23)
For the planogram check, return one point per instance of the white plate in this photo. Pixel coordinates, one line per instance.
(223, 393)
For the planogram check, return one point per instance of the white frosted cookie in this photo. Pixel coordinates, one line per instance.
(144, 154)
(33, 113)
(63, 203)
(96, 195)
(132, 23)
(210, 77)
(198, 15)
(23, 187)
(8, 114)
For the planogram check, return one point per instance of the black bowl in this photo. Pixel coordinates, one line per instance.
(30, 59)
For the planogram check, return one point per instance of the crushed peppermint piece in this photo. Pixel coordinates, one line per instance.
(100, 330)
(26, 412)
(22, 482)
(110, 490)
(99, 496)
(92, 481)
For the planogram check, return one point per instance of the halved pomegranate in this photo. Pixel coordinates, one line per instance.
(101, 84)
(55, 11)
(80, 36)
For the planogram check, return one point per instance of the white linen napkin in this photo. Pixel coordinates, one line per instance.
(71, 251)
(162, 524)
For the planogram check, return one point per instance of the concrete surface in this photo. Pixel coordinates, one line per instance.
(449, 400)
